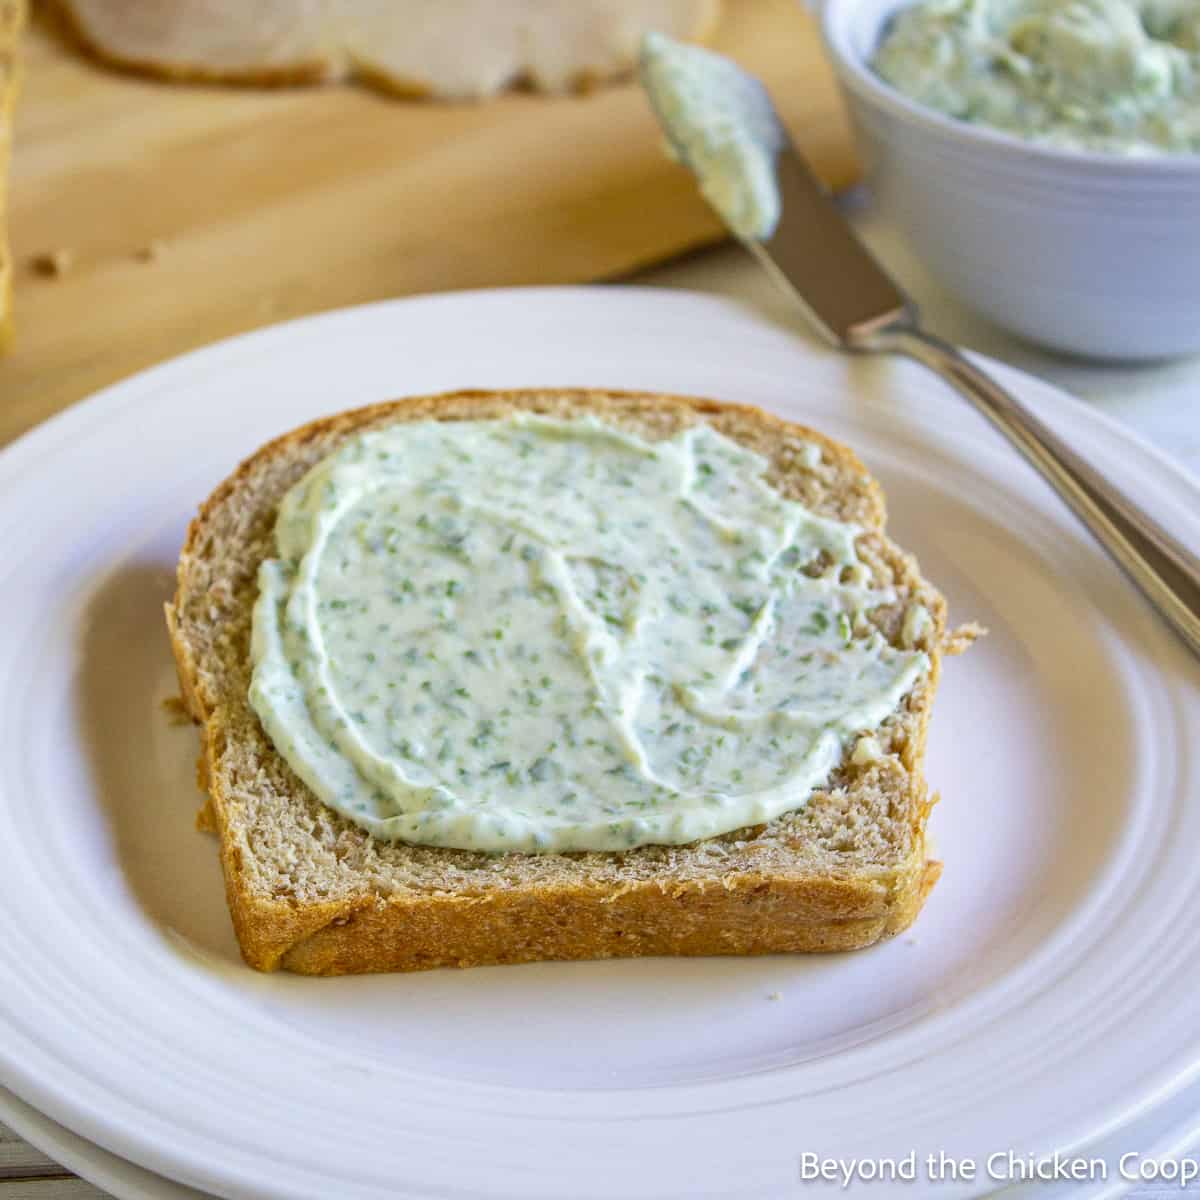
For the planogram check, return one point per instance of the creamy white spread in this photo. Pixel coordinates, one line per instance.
(917, 623)
(541, 635)
(719, 123)
(1121, 76)
(866, 750)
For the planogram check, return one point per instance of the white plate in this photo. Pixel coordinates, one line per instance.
(115, 1175)
(1169, 1131)
(1046, 996)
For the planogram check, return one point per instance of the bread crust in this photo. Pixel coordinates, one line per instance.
(744, 910)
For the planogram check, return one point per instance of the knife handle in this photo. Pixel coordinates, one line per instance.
(1166, 572)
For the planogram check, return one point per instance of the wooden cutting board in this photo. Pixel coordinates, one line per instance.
(263, 205)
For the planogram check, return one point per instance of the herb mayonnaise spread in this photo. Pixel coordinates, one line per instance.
(721, 124)
(1121, 76)
(544, 635)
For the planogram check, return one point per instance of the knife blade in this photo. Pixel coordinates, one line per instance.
(720, 122)
(815, 255)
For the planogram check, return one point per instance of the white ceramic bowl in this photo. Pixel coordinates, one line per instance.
(1089, 253)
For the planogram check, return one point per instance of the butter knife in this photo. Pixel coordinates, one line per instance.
(720, 123)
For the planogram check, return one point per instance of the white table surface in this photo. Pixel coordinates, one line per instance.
(1160, 402)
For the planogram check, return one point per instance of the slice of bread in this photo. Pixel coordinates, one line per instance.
(12, 21)
(311, 892)
(453, 49)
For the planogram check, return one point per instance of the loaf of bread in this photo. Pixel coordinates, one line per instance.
(454, 49)
(12, 20)
(309, 891)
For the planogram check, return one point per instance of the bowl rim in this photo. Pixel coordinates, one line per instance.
(836, 19)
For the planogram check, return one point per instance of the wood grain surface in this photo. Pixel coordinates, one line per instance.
(19, 1160)
(185, 213)
(27, 1174)
(68, 1187)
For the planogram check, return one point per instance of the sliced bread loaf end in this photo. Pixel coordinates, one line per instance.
(12, 20)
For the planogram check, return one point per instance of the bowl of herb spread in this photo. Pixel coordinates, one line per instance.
(1121, 76)
(1043, 156)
